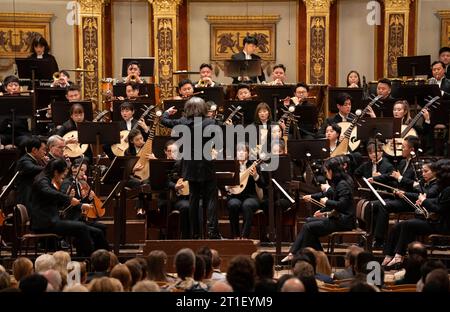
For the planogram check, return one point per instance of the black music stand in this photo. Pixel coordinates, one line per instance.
(119, 89)
(413, 65)
(273, 94)
(96, 132)
(60, 111)
(355, 93)
(417, 94)
(120, 167)
(214, 94)
(147, 65)
(248, 109)
(16, 106)
(139, 107)
(159, 142)
(46, 96)
(179, 105)
(8, 157)
(227, 172)
(242, 68)
(34, 69)
(307, 116)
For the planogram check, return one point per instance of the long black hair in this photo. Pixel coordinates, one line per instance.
(442, 169)
(57, 164)
(338, 172)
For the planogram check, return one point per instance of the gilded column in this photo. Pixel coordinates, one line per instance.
(165, 16)
(90, 47)
(396, 27)
(317, 40)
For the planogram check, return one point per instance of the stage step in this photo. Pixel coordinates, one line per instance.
(135, 231)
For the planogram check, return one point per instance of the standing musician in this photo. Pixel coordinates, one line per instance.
(247, 53)
(247, 201)
(439, 78)
(21, 128)
(47, 199)
(56, 146)
(340, 206)
(185, 89)
(197, 168)
(29, 166)
(400, 178)
(134, 72)
(405, 232)
(61, 80)
(40, 51)
(263, 123)
(278, 75)
(444, 57)
(206, 72)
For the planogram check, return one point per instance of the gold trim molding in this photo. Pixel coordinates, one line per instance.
(165, 6)
(444, 16)
(397, 5)
(92, 6)
(28, 17)
(318, 6)
(255, 19)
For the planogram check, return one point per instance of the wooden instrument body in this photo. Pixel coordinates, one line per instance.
(75, 149)
(352, 143)
(243, 178)
(147, 149)
(388, 148)
(120, 148)
(185, 190)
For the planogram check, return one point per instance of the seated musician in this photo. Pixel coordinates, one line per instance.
(353, 79)
(73, 93)
(400, 178)
(40, 50)
(62, 81)
(21, 126)
(340, 208)
(132, 91)
(406, 231)
(243, 92)
(206, 72)
(439, 78)
(384, 88)
(250, 45)
(29, 166)
(300, 95)
(377, 163)
(134, 72)
(47, 199)
(263, 123)
(185, 89)
(279, 77)
(175, 184)
(332, 133)
(247, 201)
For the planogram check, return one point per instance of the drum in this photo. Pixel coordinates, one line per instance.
(107, 86)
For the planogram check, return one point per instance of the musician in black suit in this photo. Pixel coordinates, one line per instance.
(247, 53)
(377, 163)
(404, 176)
(406, 231)
(11, 87)
(340, 206)
(47, 199)
(198, 168)
(248, 200)
(444, 57)
(439, 78)
(40, 50)
(29, 166)
(344, 106)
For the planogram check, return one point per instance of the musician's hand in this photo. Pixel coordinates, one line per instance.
(370, 180)
(228, 122)
(421, 199)
(120, 98)
(399, 193)
(74, 201)
(150, 156)
(214, 153)
(138, 167)
(426, 115)
(91, 195)
(172, 111)
(376, 174)
(370, 112)
(85, 208)
(254, 173)
(396, 175)
(71, 141)
(324, 200)
(324, 187)
(143, 125)
(179, 185)
(246, 78)
(286, 101)
(282, 124)
(72, 192)
(318, 214)
(353, 85)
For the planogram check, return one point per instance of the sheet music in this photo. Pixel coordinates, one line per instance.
(283, 191)
(375, 192)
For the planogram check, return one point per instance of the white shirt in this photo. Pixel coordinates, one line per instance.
(129, 124)
(247, 56)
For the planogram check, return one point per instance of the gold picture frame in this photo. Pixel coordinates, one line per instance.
(445, 27)
(228, 32)
(17, 31)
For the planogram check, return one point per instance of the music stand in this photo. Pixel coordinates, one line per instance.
(147, 65)
(60, 111)
(273, 94)
(380, 128)
(16, 106)
(96, 132)
(28, 68)
(413, 65)
(159, 142)
(305, 149)
(227, 172)
(120, 167)
(307, 115)
(416, 94)
(139, 108)
(214, 94)
(179, 105)
(355, 93)
(248, 109)
(241, 68)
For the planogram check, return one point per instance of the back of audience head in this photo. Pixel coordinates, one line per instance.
(293, 284)
(105, 284)
(34, 283)
(145, 286)
(100, 260)
(75, 288)
(200, 272)
(437, 281)
(156, 265)
(241, 274)
(264, 263)
(220, 286)
(5, 280)
(122, 273)
(135, 269)
(185, 263)
(22, 267)
(54, 280)
(44, 262)
(361, 286)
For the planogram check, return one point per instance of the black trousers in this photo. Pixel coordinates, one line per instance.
(247, 206)
(380, 215)
(182, 205)
(406, 232)
(88, 238)
(314, 228)
(207, 190)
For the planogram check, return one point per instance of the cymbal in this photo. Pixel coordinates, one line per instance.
(79, 70)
